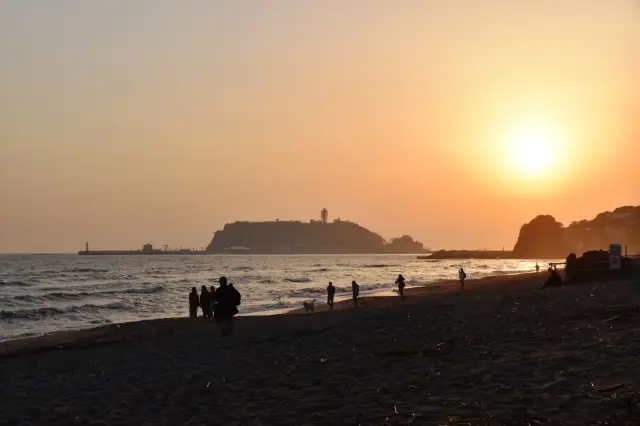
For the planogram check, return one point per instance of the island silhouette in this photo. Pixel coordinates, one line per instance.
(314, 237)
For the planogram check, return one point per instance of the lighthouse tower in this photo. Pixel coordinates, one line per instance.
(324, 215)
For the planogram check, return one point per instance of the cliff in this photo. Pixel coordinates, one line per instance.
(314, 237)
(546, 237)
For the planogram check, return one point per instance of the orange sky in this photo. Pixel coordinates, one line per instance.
(159, 121)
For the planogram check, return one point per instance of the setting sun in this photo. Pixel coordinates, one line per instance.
(533, 149)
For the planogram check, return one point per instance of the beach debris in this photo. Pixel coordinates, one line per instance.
(608, 388)
(323, 360)
(413, 417)
(553, 383)
(208, 384)
(395, 409)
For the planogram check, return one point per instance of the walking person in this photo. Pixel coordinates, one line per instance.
(462, 275)
(400, 284)
(537, 267)
(228, 300)
(355, 291)
(205, 302)
(194, 302)
(331, 292)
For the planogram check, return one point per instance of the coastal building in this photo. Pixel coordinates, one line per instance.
(324, 215)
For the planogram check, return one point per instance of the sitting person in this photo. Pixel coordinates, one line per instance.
(555, 280)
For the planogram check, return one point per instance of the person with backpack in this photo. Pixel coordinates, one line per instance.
(462, 275)
(355, 291)
(228, 299)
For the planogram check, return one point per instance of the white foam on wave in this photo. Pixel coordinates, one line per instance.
(298, 280)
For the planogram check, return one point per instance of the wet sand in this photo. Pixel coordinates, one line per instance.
(499, 352)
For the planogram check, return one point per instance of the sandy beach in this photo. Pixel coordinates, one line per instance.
(499, 352)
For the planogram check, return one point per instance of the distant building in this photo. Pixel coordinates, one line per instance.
(147, 248)
(324, 215)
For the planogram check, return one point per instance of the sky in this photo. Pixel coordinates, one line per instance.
(455, 122)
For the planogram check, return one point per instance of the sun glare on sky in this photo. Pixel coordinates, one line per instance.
(454, 122)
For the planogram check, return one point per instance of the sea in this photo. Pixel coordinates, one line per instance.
(42, 294)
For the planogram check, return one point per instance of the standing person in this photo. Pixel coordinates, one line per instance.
(462, 275)
(355, 290)
(228, 300)
(193, 303)
(537, 267)
(331, 291)
(400, 283)
(205, 302)
(212, 296)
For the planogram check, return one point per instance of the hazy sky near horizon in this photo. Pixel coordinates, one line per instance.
(159, 121)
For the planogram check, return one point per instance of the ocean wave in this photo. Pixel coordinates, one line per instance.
(242, 268)
(84, 270)
(379, 265)
(14, 284)
(41, 313)
(320, 270)
(60, 295)
(298, 280)
(346, 289)
(144, 290)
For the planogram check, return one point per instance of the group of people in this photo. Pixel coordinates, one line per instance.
(355, 291)
(400, 282)
(221, 304)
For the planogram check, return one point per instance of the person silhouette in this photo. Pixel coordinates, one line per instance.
(537, 267)
(212, 296)
(462, 275)
(400, 284)
(228, 300)
(355, 291)
(205, 302)
(194, 302)
(331, 291)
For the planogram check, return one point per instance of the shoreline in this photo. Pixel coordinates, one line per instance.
(110, 332)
